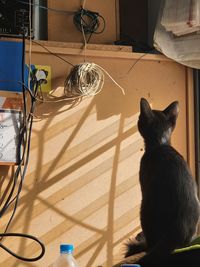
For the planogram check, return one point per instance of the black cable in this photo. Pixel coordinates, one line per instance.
(24, 130)
(26, 148)
(24, 143)
(5, 206)
(89, 21)
(23, 64)
(14, 81)
(30, 123)
(52, 53)
(24, 236)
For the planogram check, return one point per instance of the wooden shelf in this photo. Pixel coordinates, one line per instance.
(93, 50)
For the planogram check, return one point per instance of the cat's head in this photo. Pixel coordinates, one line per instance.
(156, 126)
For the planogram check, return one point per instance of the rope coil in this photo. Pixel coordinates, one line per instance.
(84, 79)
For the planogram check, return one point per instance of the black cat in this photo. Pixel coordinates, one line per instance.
(170, 208)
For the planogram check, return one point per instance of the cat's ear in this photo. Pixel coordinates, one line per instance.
(172, 112)
(145, 109)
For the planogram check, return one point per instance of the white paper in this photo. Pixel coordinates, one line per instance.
(183, 49)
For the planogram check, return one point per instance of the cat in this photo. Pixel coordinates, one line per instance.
(170, 210)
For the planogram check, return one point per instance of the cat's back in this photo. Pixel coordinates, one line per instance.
(163, 154)
(164, 166)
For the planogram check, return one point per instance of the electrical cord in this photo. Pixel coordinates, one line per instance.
(30, 43)
(24, 143)
(23, 161)
(35, 97)
(24, 123)
(16, 198)
(23, 236)
(85, 79)
(22, 70)
(19, 82)
(52, 53)
(24, 130)
(89, 22)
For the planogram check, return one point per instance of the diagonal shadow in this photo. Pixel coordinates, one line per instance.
(70, 139)
(4, 189)
(111, 202)
(44, 185)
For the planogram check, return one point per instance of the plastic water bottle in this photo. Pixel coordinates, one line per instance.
(66, 258)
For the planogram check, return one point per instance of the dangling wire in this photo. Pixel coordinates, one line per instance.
(27, 237)
(83, 3)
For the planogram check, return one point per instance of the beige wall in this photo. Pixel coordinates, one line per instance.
(61, 27)
(82, 181)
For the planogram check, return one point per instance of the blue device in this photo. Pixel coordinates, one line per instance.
(11, 56)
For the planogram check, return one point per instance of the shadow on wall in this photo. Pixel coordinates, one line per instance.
(5, 182)
(82, 183)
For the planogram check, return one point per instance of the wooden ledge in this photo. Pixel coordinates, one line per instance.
(93, 50)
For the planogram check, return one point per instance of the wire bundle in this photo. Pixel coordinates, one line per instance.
(85, 79)
(89, 21)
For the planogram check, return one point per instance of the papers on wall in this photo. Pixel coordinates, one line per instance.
(181, 16)
(177, 34)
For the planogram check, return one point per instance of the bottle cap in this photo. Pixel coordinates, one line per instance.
(66, 248)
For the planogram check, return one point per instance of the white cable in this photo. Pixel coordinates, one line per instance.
(30, 44)
(112, 79)
(86, 79)
(83, 3)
